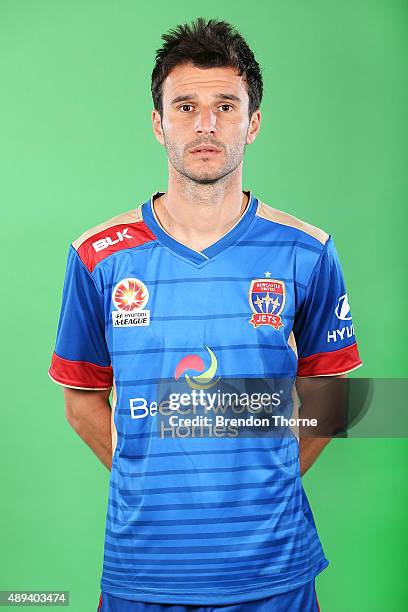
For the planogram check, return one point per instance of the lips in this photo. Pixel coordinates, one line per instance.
(205, 149)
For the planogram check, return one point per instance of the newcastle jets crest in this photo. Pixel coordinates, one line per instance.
(267, 300)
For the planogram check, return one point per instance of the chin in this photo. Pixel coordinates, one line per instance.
(205, 177)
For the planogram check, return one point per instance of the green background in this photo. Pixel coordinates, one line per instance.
(76, 148)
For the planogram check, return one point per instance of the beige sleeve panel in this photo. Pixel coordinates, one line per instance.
(278, 216)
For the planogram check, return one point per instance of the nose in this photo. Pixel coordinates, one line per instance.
(206, 122)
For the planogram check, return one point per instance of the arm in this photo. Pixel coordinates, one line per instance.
(310, 449)
(89, 414)
(312, 446)
(326, 350)
(81, 360)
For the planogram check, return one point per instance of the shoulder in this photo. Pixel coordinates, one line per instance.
(273, 215)
(123, 231)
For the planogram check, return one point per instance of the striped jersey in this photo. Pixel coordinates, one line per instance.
(196, 513)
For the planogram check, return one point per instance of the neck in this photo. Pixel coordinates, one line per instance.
(198, 215)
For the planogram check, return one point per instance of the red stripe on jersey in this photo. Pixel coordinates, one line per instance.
(100, 603)
(113, 239)
(81, 374)
(327, 364)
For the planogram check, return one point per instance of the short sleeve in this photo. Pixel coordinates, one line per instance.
(81, 358)
(323, 327)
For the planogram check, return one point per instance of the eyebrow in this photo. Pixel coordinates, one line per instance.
(219, 96)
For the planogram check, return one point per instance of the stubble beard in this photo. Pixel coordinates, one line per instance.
(176, 153)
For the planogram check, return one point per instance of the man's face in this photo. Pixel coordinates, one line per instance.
(204, 124)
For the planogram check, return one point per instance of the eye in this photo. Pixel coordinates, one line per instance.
(185, 108)
(226, 107)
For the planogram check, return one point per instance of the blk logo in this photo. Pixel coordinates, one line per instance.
(104, 243)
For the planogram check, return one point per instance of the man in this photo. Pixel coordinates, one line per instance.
(201, 285)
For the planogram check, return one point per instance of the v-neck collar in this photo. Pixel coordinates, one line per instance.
(199, 257)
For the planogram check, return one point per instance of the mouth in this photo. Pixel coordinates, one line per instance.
(207, 150)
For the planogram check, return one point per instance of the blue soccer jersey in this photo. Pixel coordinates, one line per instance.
(202, 519)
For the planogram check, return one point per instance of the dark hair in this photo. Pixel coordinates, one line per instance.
(207, 44)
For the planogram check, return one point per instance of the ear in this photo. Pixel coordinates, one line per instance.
(157, 126)
(254, 126)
